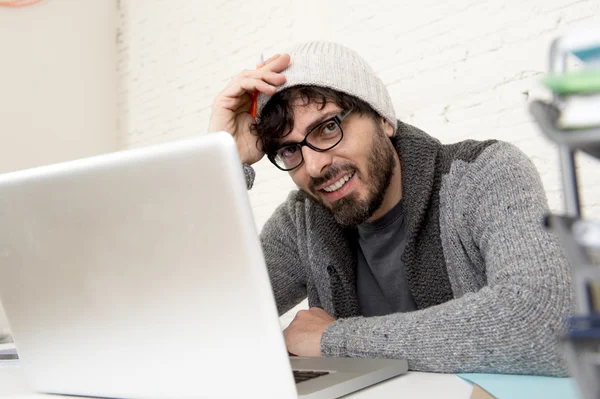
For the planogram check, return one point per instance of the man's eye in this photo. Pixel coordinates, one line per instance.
(330, 127)
(287, 151)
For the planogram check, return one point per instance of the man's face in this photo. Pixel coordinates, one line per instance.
(351, 179)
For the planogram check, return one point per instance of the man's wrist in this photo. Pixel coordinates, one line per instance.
(249, 175)
(334, 340)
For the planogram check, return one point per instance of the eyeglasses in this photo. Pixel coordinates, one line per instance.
(321, 138)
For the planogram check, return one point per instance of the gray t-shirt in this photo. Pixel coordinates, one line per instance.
(381, 283)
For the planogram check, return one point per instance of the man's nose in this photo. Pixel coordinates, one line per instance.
(316, 162)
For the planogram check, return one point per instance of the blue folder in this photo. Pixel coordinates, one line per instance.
(505, 386)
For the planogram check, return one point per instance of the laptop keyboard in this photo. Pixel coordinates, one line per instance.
(301, 376)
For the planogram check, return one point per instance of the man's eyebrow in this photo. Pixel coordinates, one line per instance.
(313, 124)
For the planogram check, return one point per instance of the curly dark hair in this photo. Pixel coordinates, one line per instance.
(277, 119)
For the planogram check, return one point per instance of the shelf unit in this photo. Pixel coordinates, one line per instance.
(579, 237)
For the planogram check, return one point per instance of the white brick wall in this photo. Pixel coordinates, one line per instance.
(459, 69)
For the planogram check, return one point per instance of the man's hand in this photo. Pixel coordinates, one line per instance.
(231, 108)
(303, 335)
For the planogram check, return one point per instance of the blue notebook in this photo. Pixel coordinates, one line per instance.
(505, 386)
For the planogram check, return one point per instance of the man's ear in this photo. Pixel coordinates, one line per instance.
(387, 127)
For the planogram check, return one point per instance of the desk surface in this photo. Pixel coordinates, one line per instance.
(412, 384)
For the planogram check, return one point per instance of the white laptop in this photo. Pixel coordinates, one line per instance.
(139, 274)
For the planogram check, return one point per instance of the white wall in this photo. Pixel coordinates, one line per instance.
(459, 69)
(58, 83)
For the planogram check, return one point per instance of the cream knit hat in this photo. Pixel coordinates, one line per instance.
(332, 65)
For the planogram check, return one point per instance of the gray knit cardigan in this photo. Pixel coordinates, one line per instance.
(492, 286)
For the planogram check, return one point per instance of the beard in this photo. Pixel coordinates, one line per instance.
(350, 210)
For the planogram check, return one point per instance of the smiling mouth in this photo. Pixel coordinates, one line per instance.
(338, 184)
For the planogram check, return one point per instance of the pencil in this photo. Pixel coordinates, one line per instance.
(255, 94)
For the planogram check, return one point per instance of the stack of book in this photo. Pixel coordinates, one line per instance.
(578, 91)
(579, 94)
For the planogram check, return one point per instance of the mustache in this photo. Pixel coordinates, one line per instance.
(329, 174)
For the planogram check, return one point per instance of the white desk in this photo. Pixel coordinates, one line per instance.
(411, 385)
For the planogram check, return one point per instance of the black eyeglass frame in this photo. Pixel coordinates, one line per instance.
(338, 119)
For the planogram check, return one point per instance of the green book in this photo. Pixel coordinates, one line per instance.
(578, 82)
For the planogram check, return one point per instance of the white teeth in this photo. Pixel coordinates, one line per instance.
(336, 186)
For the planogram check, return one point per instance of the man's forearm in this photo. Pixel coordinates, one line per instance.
(503, 330)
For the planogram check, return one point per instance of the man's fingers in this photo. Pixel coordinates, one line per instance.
(248, 85)
(302, 314)
(271, 59)
(243, 105)
(322, 313)
(252, 85)
(264, 80)
(286, 334)
(277, 64)
(273, 78)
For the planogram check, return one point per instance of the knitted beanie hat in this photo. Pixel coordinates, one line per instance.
(332, 65)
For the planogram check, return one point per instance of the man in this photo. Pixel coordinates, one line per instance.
(405, 247)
